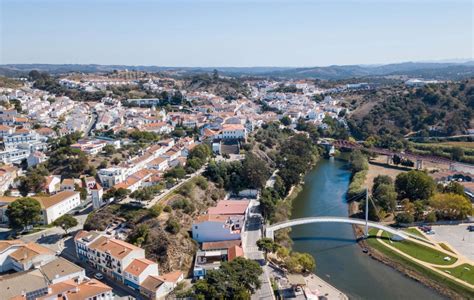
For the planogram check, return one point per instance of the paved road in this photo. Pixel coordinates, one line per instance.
(51, 236)
(250, 236)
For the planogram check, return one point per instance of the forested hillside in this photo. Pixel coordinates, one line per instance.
(433, 110)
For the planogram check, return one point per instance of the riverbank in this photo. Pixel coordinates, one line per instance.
(406, 267)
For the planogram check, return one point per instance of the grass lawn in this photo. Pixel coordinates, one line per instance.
(464, 272)
(446, 247)
(414, 231)
(411, 265)
(418, 251)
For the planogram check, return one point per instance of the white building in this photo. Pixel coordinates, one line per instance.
(52, 207)
(211, 228)
(138, 270)
(158, 287)
(97, 193)
(108, 255)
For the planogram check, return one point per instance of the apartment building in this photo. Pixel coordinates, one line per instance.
(108, 255)
(52, 207)
(138, 270)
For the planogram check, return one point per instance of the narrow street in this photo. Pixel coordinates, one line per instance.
(252, 233)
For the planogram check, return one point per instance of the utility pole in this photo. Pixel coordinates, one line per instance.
(366, 212)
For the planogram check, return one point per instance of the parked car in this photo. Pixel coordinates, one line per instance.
(470, 228)
(98, 276)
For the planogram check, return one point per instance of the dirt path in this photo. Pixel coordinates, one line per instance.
(377, 167)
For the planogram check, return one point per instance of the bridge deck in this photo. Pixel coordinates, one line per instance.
(269, 230)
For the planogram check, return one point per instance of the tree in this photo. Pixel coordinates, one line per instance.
(385, 197)
(396, 160)
(358, 161)
(285, 120)
(300, 262)
(405, 218)
(33, 182)
(66, 222)
(414, 185)
(23, 212)
(454, 187)
(266, 245)
(155, 210)
(255, 171)
(457, 153)
(236, 279)
(109, 149)
(450, 206)
(382, 179)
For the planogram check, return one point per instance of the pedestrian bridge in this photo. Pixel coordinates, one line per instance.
(270, 229)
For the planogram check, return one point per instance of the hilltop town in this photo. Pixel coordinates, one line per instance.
(133, 183)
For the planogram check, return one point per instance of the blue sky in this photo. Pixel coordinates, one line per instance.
(234, 32)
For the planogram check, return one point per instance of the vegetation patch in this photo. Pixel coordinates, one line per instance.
(407, 266)
(419, 251)
(464, 272)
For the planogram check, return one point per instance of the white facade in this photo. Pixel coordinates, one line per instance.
(223, 229)
(111, 176)
(63, 207)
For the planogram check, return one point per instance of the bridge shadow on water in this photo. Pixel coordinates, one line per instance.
(347, 242)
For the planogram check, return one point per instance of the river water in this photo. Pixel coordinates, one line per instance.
(339, 260)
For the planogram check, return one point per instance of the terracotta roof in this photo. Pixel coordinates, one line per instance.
(44, 201)
(84, 233)
(151, 283)
(29, 251)
(220, 245)
(68, 181)
(138, 265)
(73, 291)
(171, 277)
(229, 207)
(233, 127)
(61, 267)
(157, 161)
(5, 128)
(211, 218)
(4, 245)
(52, 200)
(132, 179)
(116, 248)
(235, 251)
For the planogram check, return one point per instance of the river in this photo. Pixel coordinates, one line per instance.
(339, 260)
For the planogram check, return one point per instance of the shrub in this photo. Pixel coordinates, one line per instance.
(172, 226)
(357, 184)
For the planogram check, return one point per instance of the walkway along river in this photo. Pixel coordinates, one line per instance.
(339, 260)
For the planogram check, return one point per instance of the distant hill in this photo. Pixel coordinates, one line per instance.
(412, 69)
(429, 70)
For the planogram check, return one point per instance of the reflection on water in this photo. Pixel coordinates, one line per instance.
(339, 259)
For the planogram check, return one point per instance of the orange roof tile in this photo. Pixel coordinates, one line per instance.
(116, 248)
(138, 265)
(235, 251)
(229, 207)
